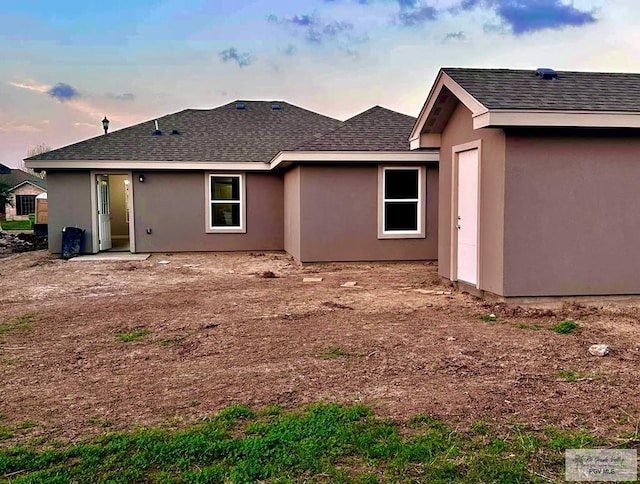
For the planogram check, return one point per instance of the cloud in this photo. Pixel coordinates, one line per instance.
(460, 35)
(302, 20)
(17, 128)
(85, 125)
(243, 59)
(526, 16)
(31, 85)
(313, 29)
(127, 96)
(519, 16)
(412, 14)
(63, 92)
(289, 50)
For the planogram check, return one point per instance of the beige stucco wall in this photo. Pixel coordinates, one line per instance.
(572, 214)
(118, 206)
(26, 189)
(339, 217)
(172, 206)
(459, 130)
(69, 197)
(292, 212)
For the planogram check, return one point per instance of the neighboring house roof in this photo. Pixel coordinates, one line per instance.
(224, 134)
(507, 97)
(376, 129)
(13, 178)
(572, 91)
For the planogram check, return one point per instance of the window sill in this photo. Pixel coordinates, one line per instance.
(239, 230)
(402, 235)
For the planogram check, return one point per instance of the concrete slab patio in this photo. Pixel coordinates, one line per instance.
(110, 256)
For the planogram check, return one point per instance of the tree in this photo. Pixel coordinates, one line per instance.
(36, 150)
(5, 197)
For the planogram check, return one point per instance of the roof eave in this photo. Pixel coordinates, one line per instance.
(146, 165)
(286, 158)
(25, 182)
(556, 119)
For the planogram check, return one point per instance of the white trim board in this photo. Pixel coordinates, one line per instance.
(146, 165)
(44, 190)
(285, 158)
(281, 159)
(563, 119)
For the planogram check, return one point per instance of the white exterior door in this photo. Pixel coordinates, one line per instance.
(104, 214)
(467, 216)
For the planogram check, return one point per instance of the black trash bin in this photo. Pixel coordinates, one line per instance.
(71, 241)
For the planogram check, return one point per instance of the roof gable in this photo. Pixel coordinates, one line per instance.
(376, 129)
(224, 134)
(507, 97)
(16, 177)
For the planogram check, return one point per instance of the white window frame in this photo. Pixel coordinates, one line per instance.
(420, 232)
(209, 201)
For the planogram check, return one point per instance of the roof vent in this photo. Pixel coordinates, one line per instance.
(157, 132)
(546, 73)
(241, 106)
(175, 132)
(276, 106)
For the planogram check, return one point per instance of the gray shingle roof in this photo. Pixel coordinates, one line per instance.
(15, 177)
(224, 134)
(573, 91)
(376, 129)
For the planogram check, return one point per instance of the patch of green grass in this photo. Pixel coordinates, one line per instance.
(5, 431)
(171, 341)
(565, 327)
(336, 352)
(488, 318)
(21, 323)
(271, 410)
(534, 327)
(571, 376)
(27, 424)
(16, 224)
(133, 335)
(100, 422)
(321, 443)
(480, 428)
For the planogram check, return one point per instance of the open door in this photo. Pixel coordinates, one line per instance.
(467, 216)
(104, 213)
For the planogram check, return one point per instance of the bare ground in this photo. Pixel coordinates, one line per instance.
(222, 334)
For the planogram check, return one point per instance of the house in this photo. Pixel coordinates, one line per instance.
(539, 180)
(521, 183)
(250, 175)
(23, 189)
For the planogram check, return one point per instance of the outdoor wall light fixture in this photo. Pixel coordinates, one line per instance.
(141, 178)
(105, 125)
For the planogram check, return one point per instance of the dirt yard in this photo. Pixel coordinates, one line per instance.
(221, 333)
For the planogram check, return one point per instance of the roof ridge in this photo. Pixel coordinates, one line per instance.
(308, 144)
(533, 69)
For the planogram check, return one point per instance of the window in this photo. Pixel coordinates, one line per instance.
(401, 202)
(226, 211)
(25, 204)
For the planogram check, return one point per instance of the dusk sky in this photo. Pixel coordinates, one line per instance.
(66, 64)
